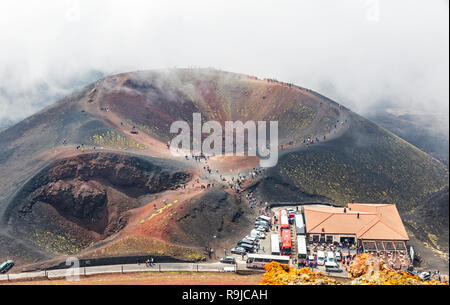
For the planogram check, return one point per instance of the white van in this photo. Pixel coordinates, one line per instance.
(330, 261)
(320, 258)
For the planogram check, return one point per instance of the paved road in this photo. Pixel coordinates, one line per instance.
(71, 272)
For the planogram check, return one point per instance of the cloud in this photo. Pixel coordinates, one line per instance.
(360, 53)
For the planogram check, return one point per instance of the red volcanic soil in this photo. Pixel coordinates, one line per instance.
(233, 163)
(139, 222)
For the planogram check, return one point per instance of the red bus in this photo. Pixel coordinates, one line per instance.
(286, 242)
(284, 220)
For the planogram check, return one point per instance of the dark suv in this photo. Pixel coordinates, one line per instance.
(239, 250)
(228, 260)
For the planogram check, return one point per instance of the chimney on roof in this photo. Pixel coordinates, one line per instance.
(323, 229)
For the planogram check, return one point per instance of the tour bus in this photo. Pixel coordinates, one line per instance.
(258, 260)
(302, 250)
(275, 244)
(299, 225)
(286, 242)
(284, 220)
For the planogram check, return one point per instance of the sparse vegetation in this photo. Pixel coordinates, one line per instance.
(112, 139)
(56, 243)
(139, 245)
(385, 171)
(156, 131)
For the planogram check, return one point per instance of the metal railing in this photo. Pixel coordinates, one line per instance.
(111, 269)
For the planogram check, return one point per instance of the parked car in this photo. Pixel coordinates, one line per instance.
(261, 223)
(264, 218)
(257, 233)
(248, 247)
(291, 214)
(248, 241)
(245, 244)
(425, 276)
(251, 238)
(335, 268)
(330, 261)
(6, 266)
(262, 229)
(239, 251)
(320, 258)
(228, 260)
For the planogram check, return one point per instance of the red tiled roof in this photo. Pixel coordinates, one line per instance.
(375, 221)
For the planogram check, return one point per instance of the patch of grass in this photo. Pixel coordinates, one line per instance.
(112, 139)
(154, 130)
(139, 245)
(56, 243)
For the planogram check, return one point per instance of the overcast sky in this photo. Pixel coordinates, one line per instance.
(360, 53)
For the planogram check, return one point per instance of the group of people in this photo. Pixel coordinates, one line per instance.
(150, 262)
(236, 182)
(307, 263)
(395, 259)
(347, 259)
(196, 158)
(313, 140)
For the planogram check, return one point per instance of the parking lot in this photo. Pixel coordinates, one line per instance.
(263, 246)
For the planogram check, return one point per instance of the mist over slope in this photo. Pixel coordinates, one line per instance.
(429, 132)
(20, 99)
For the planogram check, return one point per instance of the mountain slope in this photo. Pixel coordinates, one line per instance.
(369, 164)
(74, 161)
